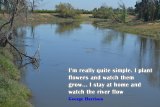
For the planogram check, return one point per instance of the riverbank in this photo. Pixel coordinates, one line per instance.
(149, 29)
(12, 92)
(145, 29)
(38, 18)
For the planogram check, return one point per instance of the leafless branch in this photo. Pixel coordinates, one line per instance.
(14, 7)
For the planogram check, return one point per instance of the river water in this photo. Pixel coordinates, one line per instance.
(78, 45)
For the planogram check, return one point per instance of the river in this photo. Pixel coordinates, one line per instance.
(84, 45)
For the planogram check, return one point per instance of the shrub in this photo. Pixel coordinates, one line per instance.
(44, 11)
(66, 10)
(103, 12)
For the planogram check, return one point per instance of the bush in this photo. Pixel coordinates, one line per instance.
(103, 12)
(82, 11)
(66, 10)
(44, 11)
(12, 92)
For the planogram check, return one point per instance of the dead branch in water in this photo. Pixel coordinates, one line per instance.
(13, 9)
(21, 54)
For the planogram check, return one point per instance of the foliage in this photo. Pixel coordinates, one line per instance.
(12, 93)
(131, 11)
(83, 11)
(66, 10)
(103, 12)
(44, 11)
(13, 8)
(123, 12)
(148, 10)
(33, 4)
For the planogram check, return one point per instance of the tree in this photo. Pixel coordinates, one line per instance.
(0, 5)
(123, 12)
(14, 9)
(3, 4)
(104, 12)
(66, 10)
(148, 10)
(131, 10)
(33, 4)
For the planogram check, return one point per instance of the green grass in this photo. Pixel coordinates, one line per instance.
(12, 92)
(142, 29)
(44, 11)
(150, 29)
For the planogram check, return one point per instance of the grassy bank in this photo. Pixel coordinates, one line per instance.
(149, 29)
(38, 18)
(12, 92)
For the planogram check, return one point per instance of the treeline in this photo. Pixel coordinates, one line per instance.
(44, 11)
(119, 14)
(148, 10)
(67, 10)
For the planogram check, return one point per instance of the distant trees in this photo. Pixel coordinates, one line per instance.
(33, 4)
(104, 12)
(148, 10)
(83, 11)
(131, 11)
(66, 10)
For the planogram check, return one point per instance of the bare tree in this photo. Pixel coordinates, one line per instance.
(13, 9)
(33, 4)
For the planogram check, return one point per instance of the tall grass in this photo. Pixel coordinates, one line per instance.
(12, 92)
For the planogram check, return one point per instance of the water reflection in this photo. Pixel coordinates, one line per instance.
(112, 36)
(67, 27)
(148, 54)
(32, 31)
(148, 49)
(94, 47)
